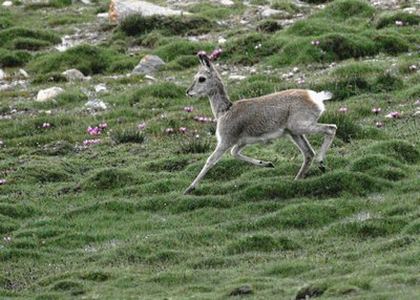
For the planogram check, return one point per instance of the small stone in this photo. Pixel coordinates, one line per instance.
(74, 75)
(148, 77)
(2, 74)
(23, 73)
(148, 65)
(269, 12)
(48, 94)
(242, 290)
(221, 41)
(227, 2)
(295, 69)
(100, 88)
(7, 3)
(95, 104)
(102, 15)
(237, 77)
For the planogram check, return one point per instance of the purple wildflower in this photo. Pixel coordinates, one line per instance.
(393, 115)
(188, 109)
(376, 110)
(343, 110)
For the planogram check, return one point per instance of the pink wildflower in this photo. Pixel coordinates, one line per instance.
(315, 43)
(412, 68)
(379, 124)
(141, 126)
(182, 129)
(376, 110)
(94, 130)
(215, 54)
(393, 115)
(103, 125)
(188, 109)
(46, 125)
(399, 23)
(7, 239)
(3, 181)
(343, 110)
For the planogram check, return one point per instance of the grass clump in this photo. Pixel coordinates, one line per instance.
(194, 145)
(88, 59)
(345, 9)
(164, 90)
(13, 58)
(342, 46)
(398, 149)
(347, 129)
(48, 4)
(41, 173)
(169, 25)
(18, 36)
(269, 26)
(407, 19)
(123, 136)
(178, 47)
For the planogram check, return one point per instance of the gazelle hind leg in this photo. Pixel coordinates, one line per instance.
(307, 152)
(329, 133)
(236, 152)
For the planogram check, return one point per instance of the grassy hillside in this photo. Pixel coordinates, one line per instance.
(99, 214)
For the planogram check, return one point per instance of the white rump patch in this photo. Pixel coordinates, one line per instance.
(319, 98)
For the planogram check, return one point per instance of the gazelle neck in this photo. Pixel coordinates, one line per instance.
(219, 101)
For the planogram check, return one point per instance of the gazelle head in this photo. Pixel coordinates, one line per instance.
(207, 80)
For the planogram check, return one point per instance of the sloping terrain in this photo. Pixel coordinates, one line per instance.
(99, 213)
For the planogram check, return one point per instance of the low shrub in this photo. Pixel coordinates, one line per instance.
(179, 47)
(9, 35)
(29, 44)
(269, 26)
(122, 136)
(345, 9)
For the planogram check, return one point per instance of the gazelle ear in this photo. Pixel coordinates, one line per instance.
(204, 59)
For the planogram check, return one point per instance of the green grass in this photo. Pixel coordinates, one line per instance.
(109, 220)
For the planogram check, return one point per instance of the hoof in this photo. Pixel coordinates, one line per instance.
(269, 165)
(322, 167)
(189, 190)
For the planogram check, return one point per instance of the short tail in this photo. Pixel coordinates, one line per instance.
(324, 95)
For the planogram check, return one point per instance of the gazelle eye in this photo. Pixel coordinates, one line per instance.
(201, 79)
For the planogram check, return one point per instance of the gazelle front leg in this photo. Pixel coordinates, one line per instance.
(211, 161)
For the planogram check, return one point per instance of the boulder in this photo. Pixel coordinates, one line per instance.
(74, 75)
(7, 3)
(48, 94)
(148, 65)
(119, 9)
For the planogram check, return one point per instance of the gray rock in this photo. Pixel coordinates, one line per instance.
(269, 12)
(48, 94)
(148, 65)
(100, 88)
(2, 74)
(95, 104)
(74, 75)
(120, 9)
(7, 3)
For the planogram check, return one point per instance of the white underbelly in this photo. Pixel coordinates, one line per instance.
(264, 137)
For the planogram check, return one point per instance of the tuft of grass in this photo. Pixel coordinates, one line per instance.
(18, 36)
(164, 90)
(398, 149)
(345, 9)
(13, 58)
(123, 136)
(178, 47)
(269, 26)
(48, 4)
(347, 128)
(169, 25)
(194, 145)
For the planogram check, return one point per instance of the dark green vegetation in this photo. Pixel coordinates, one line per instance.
(109, 221)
